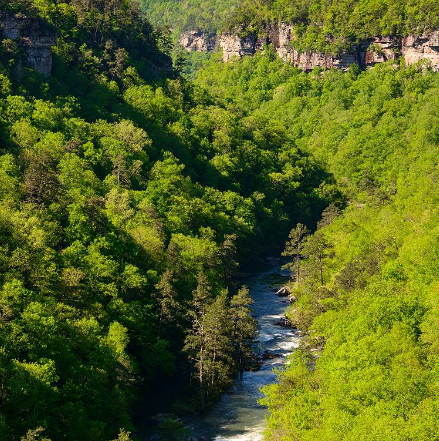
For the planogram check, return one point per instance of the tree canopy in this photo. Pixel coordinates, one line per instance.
(125, 189)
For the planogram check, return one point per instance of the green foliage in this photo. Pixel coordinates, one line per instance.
(221, 338)
(367, 291)
(126, 206)
(319, 25)
(244, 328)
(117, 193)
(330, 26)
(208, 16)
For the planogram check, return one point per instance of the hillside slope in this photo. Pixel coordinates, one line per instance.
(126, 196)
(330, 26)
(367, 282)
(207, 16)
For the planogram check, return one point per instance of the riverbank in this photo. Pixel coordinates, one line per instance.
(238, 416)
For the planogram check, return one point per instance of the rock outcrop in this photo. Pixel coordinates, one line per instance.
(380, 50)
(285, 291)
(367, 53)
(33, 37)
(284, 322)
(424, 47)
(281, 37)
(234, 46)
(198, 41)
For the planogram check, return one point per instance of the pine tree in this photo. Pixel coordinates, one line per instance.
(316, 249)
(294, 247)
(195, 343)
(219, 345)
(170, 308)
(244, 328)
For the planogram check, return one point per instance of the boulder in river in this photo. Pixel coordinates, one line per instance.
(292, 298)
(285, 291)
(268, 355)
(286, 323)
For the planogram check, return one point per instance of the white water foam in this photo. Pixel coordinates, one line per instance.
(238, 416)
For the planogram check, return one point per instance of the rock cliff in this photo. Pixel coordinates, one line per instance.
(424, 47)
(367, 53)
(234, 46)
(198, 41)
(33, 37)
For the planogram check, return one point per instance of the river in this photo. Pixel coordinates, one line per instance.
(238, 416)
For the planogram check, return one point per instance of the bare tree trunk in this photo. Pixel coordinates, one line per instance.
(201, 375)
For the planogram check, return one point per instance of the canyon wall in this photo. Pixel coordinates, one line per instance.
(198, 41)
(413, 48)
(35, 39)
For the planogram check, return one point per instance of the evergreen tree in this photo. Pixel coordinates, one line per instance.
(244, 328)
(219, 346)
(196, 340)
(294, 247)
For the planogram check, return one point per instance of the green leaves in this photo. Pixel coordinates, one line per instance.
(221, 339)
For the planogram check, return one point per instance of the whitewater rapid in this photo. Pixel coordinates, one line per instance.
(238, 416)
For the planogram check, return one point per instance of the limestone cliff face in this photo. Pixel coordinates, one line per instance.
(309, 60)
(36, 40)
(423, 47)
(282, 38)
(198, 41)
(366, 53)
(380, 50)
(234, 46)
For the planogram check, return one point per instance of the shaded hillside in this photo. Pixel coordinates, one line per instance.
(127, 195)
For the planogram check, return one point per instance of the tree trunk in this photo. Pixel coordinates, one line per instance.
(201, 376)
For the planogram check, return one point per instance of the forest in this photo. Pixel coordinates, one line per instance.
(366, 279)
(128, 199)
(319, 25)
(334, 26)
(208, 16)
(132, 197)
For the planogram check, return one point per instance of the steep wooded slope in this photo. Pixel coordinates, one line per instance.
(126, 195)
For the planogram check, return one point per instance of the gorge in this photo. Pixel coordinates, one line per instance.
(238, 416)
(367, 53)
(143, 186)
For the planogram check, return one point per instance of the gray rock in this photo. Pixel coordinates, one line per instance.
(234, 46)
(35, 38)
(198, 41)
(284, 322)
(292, 299)
(414, 48)
(283, 292)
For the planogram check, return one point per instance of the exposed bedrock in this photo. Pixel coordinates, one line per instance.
(33, 37)
(413, 48)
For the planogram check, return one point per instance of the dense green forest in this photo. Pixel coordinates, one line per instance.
(209, 16)
(332, 26)
(128, 199)
(322, 25)
(367, 289)
(366, 281)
